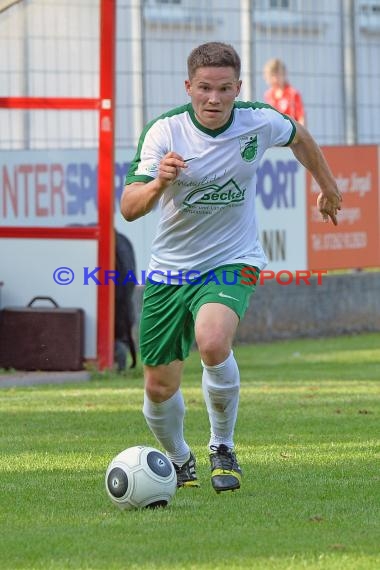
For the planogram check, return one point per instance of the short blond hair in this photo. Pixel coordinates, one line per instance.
(273, 66)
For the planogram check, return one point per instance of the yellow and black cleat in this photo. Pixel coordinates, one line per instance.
(225, 471)
(186, 473)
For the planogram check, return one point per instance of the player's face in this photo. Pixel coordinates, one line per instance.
(213, 91)
(276, 80)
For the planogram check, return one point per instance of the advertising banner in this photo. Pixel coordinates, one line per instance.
(51, 188)
(355, 242)
(59, 189)
(281, 210)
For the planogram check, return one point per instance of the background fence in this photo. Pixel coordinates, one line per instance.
(48, 47)
(331, 49)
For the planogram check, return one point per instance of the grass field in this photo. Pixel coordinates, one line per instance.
(307, 439)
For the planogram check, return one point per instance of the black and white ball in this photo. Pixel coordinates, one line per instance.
(140, 477)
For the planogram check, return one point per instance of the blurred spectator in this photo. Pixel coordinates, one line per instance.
(281, 95)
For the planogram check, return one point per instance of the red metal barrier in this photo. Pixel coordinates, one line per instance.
(103, 232)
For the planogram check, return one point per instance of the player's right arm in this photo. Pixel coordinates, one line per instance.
(138, 198)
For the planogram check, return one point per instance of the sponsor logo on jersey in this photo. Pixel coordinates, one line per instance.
(215, 194)
(152, 167)
(248, 147)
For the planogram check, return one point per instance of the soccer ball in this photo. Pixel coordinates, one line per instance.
(140, 477)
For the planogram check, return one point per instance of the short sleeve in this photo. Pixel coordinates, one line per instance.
(283, 129)
(150, 150)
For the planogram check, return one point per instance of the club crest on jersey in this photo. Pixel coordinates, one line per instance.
(248, 147)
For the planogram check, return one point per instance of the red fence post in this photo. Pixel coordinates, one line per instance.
(106, 201)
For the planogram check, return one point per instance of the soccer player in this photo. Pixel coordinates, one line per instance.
(281, 95)
(197, 163)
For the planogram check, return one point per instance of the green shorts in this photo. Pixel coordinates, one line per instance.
(169, 311)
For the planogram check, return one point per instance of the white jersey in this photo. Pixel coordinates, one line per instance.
(207, 217)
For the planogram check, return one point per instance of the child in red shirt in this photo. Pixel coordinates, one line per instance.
(281, 95)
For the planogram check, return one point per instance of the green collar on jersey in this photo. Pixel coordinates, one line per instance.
(211, 132)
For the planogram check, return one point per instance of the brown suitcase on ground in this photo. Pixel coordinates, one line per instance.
(41, 337)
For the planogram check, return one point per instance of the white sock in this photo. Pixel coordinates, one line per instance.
(221, 384)
(165, 420)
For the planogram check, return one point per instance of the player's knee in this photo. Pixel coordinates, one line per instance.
(159, 386)
(213, 347)
(157, 392)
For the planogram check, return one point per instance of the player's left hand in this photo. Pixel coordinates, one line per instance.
(329, 206)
